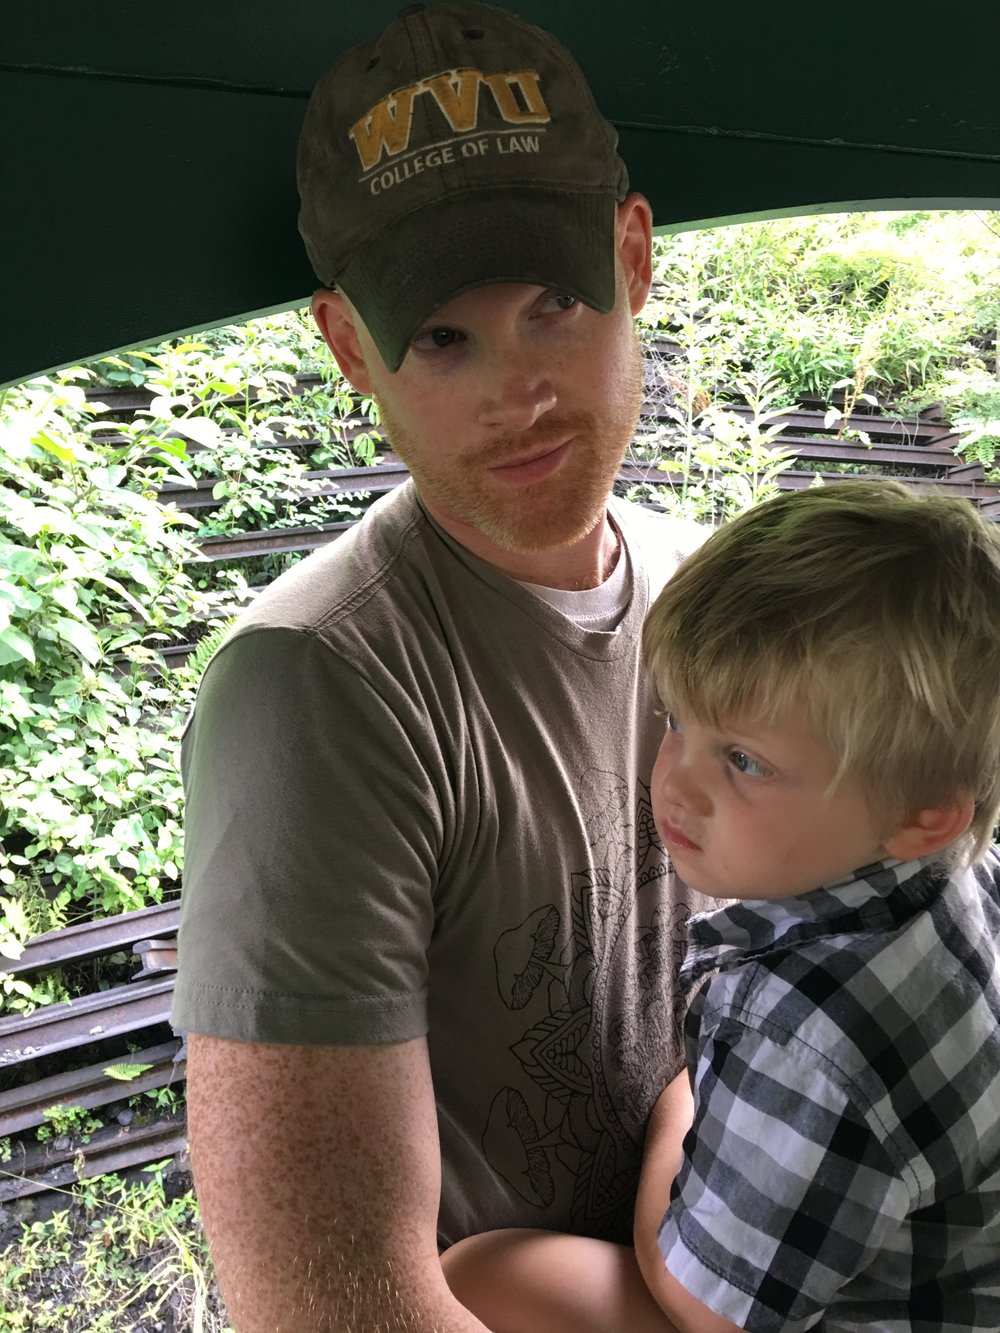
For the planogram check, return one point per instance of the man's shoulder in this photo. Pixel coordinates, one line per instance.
(341, 578)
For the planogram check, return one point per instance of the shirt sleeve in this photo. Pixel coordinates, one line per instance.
(786, 1188)
(311, 841)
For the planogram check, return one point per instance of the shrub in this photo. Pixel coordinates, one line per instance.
(92, 581)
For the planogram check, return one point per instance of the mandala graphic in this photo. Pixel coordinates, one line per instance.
(603, 1030)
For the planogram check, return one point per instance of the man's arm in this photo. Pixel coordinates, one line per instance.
(318, 1173)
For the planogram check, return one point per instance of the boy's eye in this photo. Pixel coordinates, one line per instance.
(671, 722)
(438, 336)
(745, 763)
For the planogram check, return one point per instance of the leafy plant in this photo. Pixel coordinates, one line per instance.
(972, 393)
(67, 1120)
(119, 1257)
(92, 581)
(125, 1071)
(723, 460)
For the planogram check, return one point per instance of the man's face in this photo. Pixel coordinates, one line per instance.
(514, 405)
(513, 409)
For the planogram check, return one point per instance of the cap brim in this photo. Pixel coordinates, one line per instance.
(551, 238)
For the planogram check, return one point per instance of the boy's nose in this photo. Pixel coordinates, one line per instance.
(681, 793)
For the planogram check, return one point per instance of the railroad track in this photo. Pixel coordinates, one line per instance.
(96, 1024)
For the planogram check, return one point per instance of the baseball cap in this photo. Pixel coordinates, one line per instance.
(459, 147)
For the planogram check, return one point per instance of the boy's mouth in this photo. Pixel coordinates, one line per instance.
(675, 838)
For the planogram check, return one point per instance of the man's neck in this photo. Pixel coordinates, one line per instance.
(586, 563)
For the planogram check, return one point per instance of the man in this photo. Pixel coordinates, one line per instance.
(428, 939)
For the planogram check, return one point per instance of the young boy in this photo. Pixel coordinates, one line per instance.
(829, 666)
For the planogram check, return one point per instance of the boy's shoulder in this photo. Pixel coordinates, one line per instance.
(869, 1004)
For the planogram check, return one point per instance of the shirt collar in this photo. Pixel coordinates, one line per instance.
(877, 897)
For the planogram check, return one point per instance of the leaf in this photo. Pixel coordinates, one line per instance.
(96, 716)
(175, 447)
(125, 1072)
(831, 416)
(15, 919)
(79, 636)
(19, 560)
(200, 429)
(126, 596)
(51, 446)
(163, 407)
(15, 647)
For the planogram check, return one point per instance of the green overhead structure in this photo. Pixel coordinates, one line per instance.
(148, 163)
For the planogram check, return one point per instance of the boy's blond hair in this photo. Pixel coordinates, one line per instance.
(879, 609)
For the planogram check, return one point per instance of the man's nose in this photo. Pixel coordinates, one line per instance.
(516, 396)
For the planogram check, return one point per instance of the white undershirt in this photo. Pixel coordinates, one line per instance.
(598, 608)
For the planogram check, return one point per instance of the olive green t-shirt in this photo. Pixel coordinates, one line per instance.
(418, 803)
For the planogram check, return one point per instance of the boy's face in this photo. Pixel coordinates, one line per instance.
(745, 811)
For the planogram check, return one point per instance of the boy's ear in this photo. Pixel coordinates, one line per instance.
(336, 323)
(929, 830)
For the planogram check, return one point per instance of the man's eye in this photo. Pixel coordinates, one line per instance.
(558, 301)
(745, 763)
(440, 336)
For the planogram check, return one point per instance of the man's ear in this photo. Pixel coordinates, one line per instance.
(336, 323)
(929, 830)
(634, 234)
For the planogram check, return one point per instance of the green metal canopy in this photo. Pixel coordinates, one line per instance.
(148, 171)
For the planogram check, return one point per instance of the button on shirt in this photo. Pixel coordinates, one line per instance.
(843, 1169)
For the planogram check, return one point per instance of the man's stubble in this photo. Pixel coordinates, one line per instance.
(542, 516)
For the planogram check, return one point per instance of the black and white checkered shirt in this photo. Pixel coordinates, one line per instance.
(843, 1170)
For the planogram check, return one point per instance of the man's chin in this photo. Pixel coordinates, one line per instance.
(541, 531)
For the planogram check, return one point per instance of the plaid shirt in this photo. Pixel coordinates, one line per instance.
(843, 1169)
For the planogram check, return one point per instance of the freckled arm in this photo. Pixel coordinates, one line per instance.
(318, 1173)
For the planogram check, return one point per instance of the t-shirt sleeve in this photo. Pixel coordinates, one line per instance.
(786, 1189)
(311, 844)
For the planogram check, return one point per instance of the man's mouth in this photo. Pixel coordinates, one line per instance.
(534, 466)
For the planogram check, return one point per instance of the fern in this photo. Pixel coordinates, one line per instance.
(125, 1072)
(205, 647)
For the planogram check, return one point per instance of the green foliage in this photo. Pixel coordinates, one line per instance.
(92, 580)
(125, 1071)
(67, 1120)
(813, 300)
(160, 1099)
(119, 1257)
(972, 395)
(721, 460)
